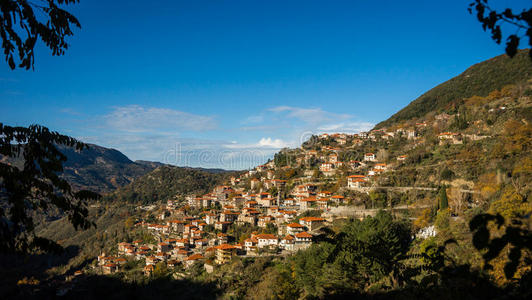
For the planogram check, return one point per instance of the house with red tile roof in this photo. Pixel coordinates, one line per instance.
(303, 240)
(189, 261)
(288, 242)
(337, 199)
(308, 203)
(355, 181)
(266, 240)
(109, 268)
(294, 228)
(224, 253)
(250, 244)
(312, 222)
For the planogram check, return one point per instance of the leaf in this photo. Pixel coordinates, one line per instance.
(511, 267)
(511, 45)
(11, 62)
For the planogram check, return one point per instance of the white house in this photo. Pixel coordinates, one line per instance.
(369, 157)
(265, 240)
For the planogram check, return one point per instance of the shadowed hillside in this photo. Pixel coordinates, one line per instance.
(102, 169)
(167, 182)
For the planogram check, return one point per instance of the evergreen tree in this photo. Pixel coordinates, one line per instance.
(444, 203)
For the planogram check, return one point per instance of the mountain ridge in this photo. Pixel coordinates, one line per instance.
(477, 80)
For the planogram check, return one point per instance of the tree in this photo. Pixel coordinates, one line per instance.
(378, 197)
(129, 222)
(443, 201)
(371, 249)
(516, 240)
(447, 174)
(36, 19)
(160, 270)
(36, 187)
(492, 20)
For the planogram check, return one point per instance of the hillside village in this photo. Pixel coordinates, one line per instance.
(278, 208)
(368, 212)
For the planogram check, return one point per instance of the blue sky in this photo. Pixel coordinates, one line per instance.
(227, 83)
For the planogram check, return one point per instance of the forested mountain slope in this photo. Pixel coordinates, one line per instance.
(169, 181)
(478, 80)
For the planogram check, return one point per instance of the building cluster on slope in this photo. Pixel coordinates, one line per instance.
(184, 239)
(195, 229)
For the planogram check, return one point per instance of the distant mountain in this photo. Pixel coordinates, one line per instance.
(102, 169)
(151, 164)
(478, 80)
(167, 182)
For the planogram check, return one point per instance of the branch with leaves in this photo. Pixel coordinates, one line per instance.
(516, 236)
(492, 20)
(36, 187)
(23, 22)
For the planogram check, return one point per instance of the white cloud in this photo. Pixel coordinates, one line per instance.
(157, 134)
(136, 118)
(262, 143)
(310, 115)
(271, 143)
(347, 127)
(253, 119)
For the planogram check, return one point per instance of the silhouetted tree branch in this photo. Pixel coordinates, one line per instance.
(22, 22)
(492, 20)
(516, 236)
(36, 187)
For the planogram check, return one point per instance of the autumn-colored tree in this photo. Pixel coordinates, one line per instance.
(160, 270)
(522, 173)
(511, 204)
(129, 222)
(505, 243)
(487, 185)
(442, 221)
(518, 137)
(423, 220)
(476, 101)
(456, 199)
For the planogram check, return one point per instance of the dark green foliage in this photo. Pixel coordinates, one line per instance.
(362, 253)
(283, 158)
(447, 174)
(379, 198)
(442, 197)
(270, 228)
(21, 26)
(309, 266)
(168, 182)
(36, 187)
(373, 247)
(479, 80)
(242, 232)
(460, 122)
